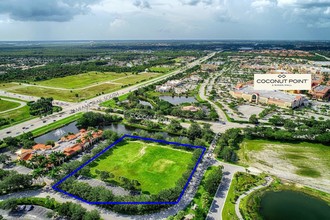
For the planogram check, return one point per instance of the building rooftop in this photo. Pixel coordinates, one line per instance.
(268, 94)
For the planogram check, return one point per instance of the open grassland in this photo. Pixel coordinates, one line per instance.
(160, 69)
(67, 95)
(82, 80)
(92, 87)
(112, 103)
(133, 79)
(17, 116)
(304, 162)
(155, 166)
(7, 105)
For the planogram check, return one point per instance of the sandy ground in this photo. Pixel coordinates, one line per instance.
(271, 160)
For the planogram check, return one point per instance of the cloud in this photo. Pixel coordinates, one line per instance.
(45, 10)
(314, 13)
(142, 4)
(196, 2)
(261, 5)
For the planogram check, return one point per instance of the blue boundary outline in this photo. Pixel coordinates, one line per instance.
(55, 187)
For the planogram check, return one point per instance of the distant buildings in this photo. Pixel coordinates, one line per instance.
(321, 92)
(278, 98)
(180, 86)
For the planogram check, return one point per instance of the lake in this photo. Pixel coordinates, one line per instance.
(178, 100)
(294, 206)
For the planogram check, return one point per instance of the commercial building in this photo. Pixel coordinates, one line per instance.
(321, 92)
(278, 98)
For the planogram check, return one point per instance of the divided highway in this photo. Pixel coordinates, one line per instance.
(72, 108)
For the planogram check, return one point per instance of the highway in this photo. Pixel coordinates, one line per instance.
(72, 108)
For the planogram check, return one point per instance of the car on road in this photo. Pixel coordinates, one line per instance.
(8, 132)
(29, 207)
(44, 121)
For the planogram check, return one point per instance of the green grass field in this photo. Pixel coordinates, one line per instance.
(160, 69)
(7, 105)
(17, 116)
(82, 80)
(155, 166)
(112, 104)
(87, 79)
(306, 159)
(67, 95)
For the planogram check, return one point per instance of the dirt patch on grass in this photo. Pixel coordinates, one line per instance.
(304, 164)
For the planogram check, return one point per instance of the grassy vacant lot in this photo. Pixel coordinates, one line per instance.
(66, 94)
(155, 166)
(82, 80)
(7, 105)
(17, 116)
(303, 159)
(160, 69)
(112, 104)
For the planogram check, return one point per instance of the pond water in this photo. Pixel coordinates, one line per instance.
(178, 100)
(294, 206)
(58, 133)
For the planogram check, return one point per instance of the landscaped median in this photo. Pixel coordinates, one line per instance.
(57, 124)
(241, 183)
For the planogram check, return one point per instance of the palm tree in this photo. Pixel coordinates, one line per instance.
(53, 159)
(60, 156)
(37, 173)
(54, 172)
(90, 138)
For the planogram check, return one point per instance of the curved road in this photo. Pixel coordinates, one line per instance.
(22, 104)
(238, 201)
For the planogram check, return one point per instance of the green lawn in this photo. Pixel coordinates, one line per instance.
(57, 124)
(155, 166)
(307, 159)
(112, 104)
(7, 105)
(160, 69)
(17, 116)
(69, 95)
(133, 79)
(82, 80)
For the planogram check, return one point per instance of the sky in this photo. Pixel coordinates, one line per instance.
(164, 19)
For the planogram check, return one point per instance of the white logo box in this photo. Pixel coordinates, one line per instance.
(282, 81)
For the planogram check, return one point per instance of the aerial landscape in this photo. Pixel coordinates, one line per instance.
(176, 110)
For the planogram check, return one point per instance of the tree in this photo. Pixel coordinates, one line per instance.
(9, 204)
(92, 215)
(253, 119)
(50, 142)
(213, 180)
(174, 126)
(4, 158)
(104, 175)
(194, 131)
